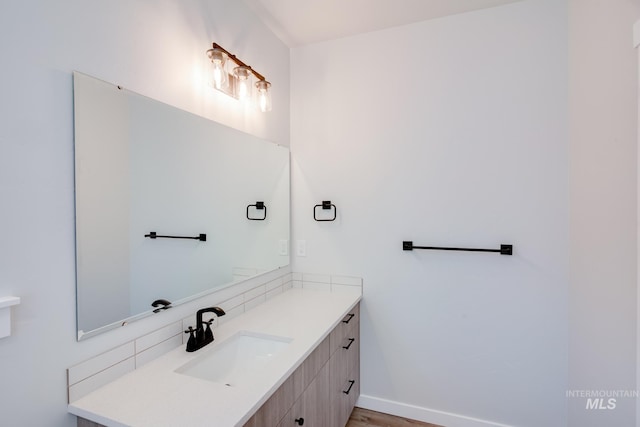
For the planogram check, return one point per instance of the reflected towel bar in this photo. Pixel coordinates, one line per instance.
(153, 235)
(504, 249)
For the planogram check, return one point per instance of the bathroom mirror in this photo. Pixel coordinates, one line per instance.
(144, 167)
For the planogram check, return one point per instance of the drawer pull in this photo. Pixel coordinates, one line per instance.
(350, 316)
(299, 421)
(350, 386)
(351, 340)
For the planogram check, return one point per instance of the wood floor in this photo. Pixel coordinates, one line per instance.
(366, 418)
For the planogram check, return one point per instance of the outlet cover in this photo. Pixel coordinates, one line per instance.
(301, 248)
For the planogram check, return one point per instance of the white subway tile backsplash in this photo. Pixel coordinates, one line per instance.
(317, 286)
(317, 278)
(254, 302)
(296, 276)
(186, 322)
(274, 284)
(346, 288)
(99, 363)
(257, 291)
(86, 386)
(286, 286)
(158, 336)
(158, 350)
(296, 284)
(237, 289)
(232, 303)
(346, 280)
(274, 292)
(234, 312)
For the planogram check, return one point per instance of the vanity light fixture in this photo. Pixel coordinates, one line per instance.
(237, 83)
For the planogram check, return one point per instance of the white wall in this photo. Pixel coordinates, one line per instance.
(603, 192)
(448, 132)
(479, 157)
(156, 48)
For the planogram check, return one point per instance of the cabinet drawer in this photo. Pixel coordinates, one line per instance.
(281, 401)
(313, 407)
(344, 395)
(349, 324)
(345, 360)
(352, 397)
(345, 378)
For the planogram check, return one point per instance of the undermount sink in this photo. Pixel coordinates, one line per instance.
(235, 359)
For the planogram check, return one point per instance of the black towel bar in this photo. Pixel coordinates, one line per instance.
(504, 249)
(154, 235)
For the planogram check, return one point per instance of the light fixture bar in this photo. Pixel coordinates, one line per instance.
(237, 84)
(239, 62)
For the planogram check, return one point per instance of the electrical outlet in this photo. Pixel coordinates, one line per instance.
(283, 247)
(301, 248)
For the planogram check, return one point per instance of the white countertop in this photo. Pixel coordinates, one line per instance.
(156, 396)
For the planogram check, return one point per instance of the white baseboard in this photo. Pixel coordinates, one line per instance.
(422, 414)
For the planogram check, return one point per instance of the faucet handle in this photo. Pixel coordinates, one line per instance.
(191, 342)
(208, 333)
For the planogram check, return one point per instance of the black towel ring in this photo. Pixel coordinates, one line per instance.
(326, 205)
(259, 206)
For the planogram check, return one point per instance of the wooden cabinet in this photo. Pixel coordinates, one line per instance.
(328, 400)
(345, 369)
(86, 423)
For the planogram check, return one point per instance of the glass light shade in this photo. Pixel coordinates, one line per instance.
(218, 74)
(263, 95)
(243, 86)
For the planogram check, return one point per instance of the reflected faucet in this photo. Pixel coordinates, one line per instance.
(202, 336)
(161, 302)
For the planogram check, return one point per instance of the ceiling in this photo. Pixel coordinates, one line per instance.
(301, 22)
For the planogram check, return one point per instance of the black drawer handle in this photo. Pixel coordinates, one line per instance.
(351, 340)
(350, 316)
(350, 386)
(299, 421)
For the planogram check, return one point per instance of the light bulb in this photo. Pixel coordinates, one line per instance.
(264, 95)
(243, 90)
(243, 74)
(217, 75)
(218, 71)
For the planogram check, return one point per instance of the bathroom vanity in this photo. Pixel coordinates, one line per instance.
(323, 390)
(312, 378)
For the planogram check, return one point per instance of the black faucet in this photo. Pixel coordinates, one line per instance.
(202, 336)
(161, 302)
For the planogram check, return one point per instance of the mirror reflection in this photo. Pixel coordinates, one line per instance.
(147, 173)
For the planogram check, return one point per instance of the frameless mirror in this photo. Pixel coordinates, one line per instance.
(169, 205)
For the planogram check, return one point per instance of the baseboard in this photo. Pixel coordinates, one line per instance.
(422, 414)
